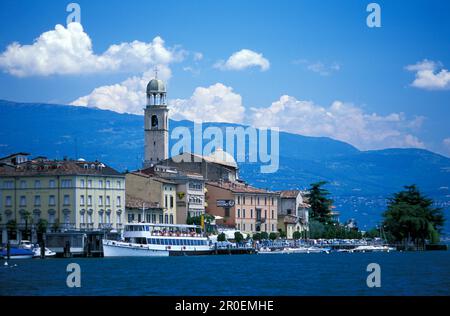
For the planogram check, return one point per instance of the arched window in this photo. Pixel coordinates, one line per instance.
(154, 121)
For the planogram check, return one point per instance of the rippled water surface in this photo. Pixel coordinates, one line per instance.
(402, 273)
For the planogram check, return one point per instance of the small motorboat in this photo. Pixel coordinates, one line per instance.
(17, 253)
(48, 252)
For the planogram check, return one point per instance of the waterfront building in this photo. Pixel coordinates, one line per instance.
(68, 194)
(219, 165)
(293, 213)
(238, 205)
(150, 198)
(191, 190)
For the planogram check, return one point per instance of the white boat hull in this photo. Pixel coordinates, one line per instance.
(121, 249)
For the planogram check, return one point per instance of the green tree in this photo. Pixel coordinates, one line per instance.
(256, 236)
(41, 228)
(264, 235)
(11, 228)
(273, 236)
(320, 203)
(238, 237)
(221, 237)
(411, 217)
(296, 235)
(27, 217)
(282, 233)
(316, 229)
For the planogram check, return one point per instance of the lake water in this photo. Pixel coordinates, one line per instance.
(402, 273)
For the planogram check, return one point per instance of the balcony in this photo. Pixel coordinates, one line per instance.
(260, 220)
(68, 226)
(105, 226)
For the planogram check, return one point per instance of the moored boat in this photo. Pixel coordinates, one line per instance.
(17, 253)
(158, 240)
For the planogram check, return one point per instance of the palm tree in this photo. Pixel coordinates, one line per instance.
(27, 217)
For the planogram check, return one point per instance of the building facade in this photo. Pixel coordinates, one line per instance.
(243, 207)
(293, 213)
(67, 194)
(150, 198)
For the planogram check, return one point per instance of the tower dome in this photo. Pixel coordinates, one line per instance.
(156, 92)
(156, 86)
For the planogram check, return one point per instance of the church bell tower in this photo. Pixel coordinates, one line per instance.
(156, 124)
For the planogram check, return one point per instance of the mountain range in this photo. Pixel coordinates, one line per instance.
(360, 181)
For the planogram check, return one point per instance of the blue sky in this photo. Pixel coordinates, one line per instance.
(339, 78)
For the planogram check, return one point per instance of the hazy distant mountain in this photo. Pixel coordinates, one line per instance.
(357, 178)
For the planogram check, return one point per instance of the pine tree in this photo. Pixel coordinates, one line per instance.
(320, 203)
(411, 217)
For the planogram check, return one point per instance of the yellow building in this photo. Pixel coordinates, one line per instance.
(150, 199)
(68, 194)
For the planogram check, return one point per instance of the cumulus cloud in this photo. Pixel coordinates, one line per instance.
(216, 103)
(69, 51)
(430, 75)
(340, 121)
(128, 96)
(243, 59)
(319, 67)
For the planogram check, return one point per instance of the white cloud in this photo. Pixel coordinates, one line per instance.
(128, 96)
(216, 103)
(242, 59)
(69, 51)
(430, 75)
(340, 121)
(319, 67)
(198, 56)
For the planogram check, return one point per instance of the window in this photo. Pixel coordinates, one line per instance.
(100, 184)
(66, 199)
(119, 201)
(251, 213)
(171, 219)
(108, 200)
(23, 184)
(265, 227)
(251, 227)
(238, 200)
(238, 227)
(165, 201)
(148, 218)
(37, 184)
(51, 218)
(161, 219)
(51, 183)
(51, 200)
(265, 213)
(273, 227)
(108, 218)
(8, 184)
(243, 227)
(100, 217)
(23, 200)
(66, 218)
(89, 200)
(8, 200)
(171, 201)
(238, 213)
(89, 183)
(66, 183)
(130, 217)
(227, 212)
(243, 212)
(37, 200)
(119, 184)
(166, 218)
(153, 218)
(100, 200)
(81, 199)
(82, 184)
(119, 218)
(265, 200)
(81, 218)
(108, 184)
(243, 200)
(289, 211)
(89, 219)
(272, 201)
(273, 214)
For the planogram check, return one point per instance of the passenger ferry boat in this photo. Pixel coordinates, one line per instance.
(148, 240)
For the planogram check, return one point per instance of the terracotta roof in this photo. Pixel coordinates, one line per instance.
(58, 167)
(289, 193)
(147, 174)
(134, 202)
(238, 187)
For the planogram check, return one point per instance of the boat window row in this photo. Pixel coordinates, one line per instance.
(176, 242)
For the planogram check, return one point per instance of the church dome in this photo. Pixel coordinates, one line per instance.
(156, 86)
(222, 157)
